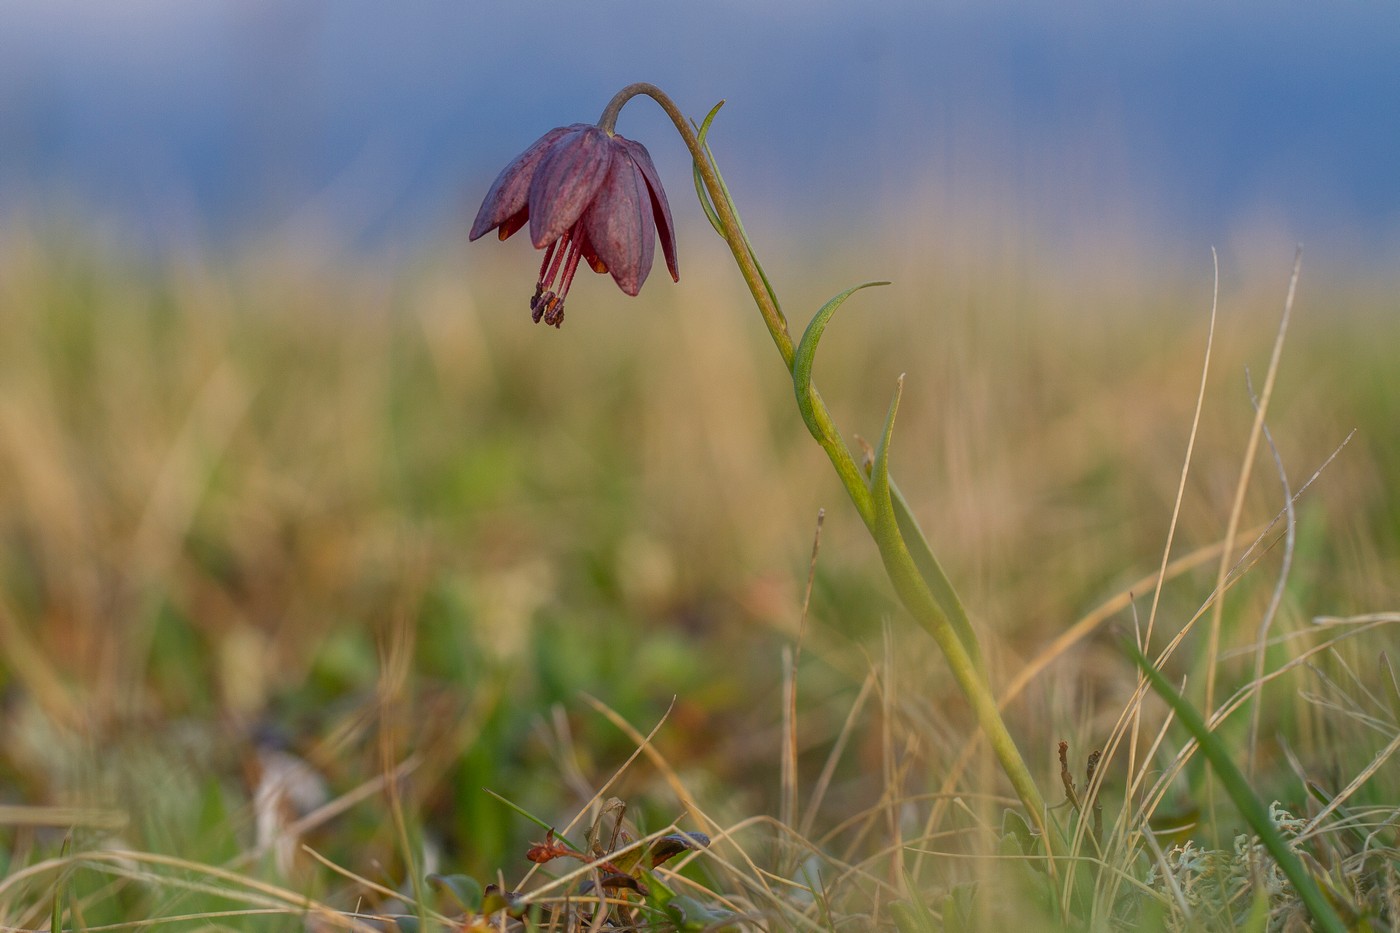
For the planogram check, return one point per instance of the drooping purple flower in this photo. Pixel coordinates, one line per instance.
(588, 195)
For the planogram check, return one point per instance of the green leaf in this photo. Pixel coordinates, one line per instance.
(688, 914)
(927, 565)
(1346, 818)
(1014, 826)
(465, 889)
(660, 893)
(880, 476)
(713, 215)
(807, 352)
(700, 191)
(530, 816)
(56, 909)
(1255, 813)
(960, 908)
(894, 551)
(912, 917)
(934, 578)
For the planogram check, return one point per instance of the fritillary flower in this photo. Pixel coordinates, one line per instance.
(588, 195)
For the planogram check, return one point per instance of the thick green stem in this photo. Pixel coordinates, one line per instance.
(876, 507)
(914, 592)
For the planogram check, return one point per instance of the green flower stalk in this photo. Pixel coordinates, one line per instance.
(529, 187)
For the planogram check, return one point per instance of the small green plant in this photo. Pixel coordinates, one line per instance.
(1233, 888)
(591, 195)
(1268, 823)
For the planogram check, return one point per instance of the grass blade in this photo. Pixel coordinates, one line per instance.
(807, 353)
(1254, 811)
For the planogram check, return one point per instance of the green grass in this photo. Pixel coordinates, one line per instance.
(351, 518)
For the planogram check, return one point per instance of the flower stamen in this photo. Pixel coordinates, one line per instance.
(558, 263)
(539, 298)
(555, 313)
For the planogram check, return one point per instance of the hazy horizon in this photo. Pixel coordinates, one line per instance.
(1184, 123)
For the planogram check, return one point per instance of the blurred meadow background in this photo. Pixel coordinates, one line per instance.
(309, 538)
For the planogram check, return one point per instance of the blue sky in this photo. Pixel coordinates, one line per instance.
(1190, 120)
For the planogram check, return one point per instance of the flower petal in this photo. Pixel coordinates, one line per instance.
(589, 255)
(665, 228)
(566, 181)
(506, 202)
(619, 223)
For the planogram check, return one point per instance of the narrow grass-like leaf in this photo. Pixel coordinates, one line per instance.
(531, 817)
(1254, 811)
(1352, 822)
(713, 215)
(928, 612)
(1390, 681)
(806, 355)
(912, 916)
(937, 582)
(932, 572)
(60, 889)
(880, 477)
(899, 563)
(701, 132)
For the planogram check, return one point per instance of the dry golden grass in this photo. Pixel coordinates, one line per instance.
(366, 514)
